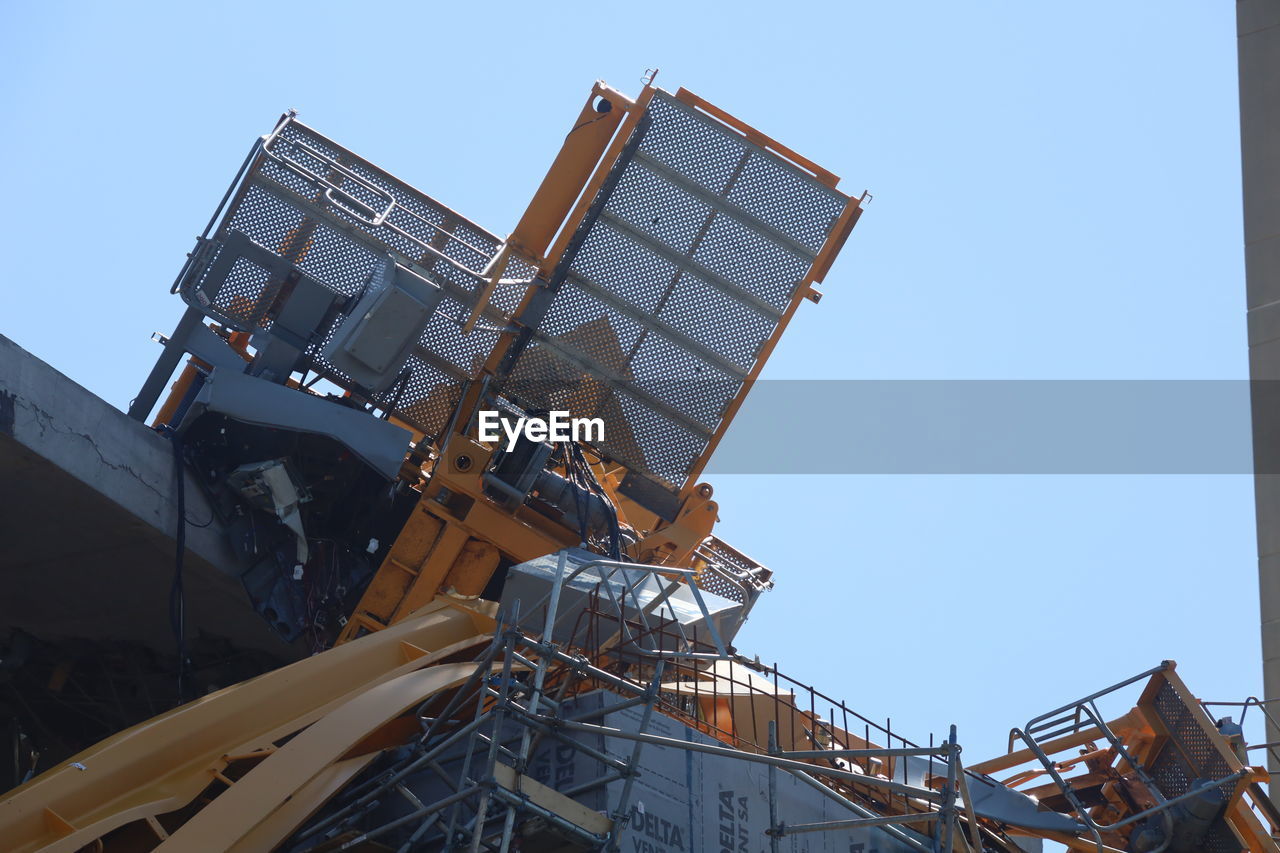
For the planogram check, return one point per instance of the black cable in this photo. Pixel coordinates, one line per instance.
(177, 599)
(578, 509)
(583, 124)
(583, 473)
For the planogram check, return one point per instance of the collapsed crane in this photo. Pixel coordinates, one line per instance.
(519, 636)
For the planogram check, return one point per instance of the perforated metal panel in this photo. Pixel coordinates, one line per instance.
(338, 217)
(1190, 757)
(697, 246)
(731, 574)
(688, 260)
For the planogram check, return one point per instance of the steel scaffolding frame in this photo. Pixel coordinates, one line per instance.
(519, 691)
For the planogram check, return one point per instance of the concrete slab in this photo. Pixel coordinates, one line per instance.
(1264, 323)
(1260, 256)
(87, 520)
(1254, 15)
(1260, 129)
(1258, 47)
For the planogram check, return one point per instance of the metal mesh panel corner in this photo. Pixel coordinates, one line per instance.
(1188, 756)
(338, 218)
(687, 262)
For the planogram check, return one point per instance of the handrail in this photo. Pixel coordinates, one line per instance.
(552, 598)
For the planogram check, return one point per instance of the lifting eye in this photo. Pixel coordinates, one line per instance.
(602, 105)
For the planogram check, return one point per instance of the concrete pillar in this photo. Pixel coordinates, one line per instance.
(1258, 41)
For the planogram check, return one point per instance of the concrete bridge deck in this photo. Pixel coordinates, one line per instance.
(87, 524)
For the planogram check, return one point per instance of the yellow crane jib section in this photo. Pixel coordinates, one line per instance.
(653, 212)
(1109, 773)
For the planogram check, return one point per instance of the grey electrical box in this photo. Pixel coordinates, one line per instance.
(379, 334)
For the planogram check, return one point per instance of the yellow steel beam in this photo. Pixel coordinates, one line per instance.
(251, 801)
(583, 146)
(299, 808)
(164, 763)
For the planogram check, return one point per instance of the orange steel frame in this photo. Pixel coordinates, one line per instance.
(280, 745)
(451, 544)
(549, 213)
(1144, 734)
(410, 576)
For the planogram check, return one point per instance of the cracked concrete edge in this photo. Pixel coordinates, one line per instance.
(1259, 68)
(60, 421)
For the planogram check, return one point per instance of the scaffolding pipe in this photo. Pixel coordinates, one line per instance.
(834, 796)
(949, 804)
(937, 751)
(426, 811)
(380, 784)
(773, 789)
(621, 815)
(975, 837)
(499, 715)
(730, 752)
(855, 823)
(520, 801)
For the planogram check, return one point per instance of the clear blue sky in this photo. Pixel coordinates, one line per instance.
(1056, 196)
